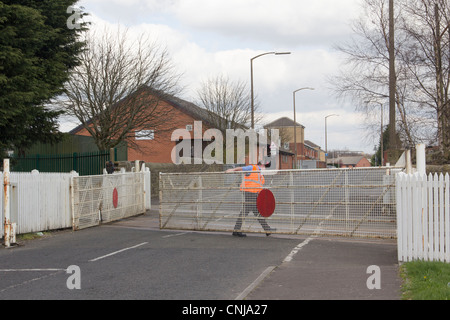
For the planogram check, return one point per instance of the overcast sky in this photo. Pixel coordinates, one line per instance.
(211, 37)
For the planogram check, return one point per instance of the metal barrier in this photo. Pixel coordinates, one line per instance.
(105, 198)
(330, 202)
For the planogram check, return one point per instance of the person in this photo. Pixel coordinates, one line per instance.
(251, 186)
(110, 167)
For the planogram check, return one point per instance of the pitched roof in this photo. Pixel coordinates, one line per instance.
(189, 108)
(312, 144)
(184, 106)
(283, 122)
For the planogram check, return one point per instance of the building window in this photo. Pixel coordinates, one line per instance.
(144, 135)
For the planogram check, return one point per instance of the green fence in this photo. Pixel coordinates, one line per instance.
(78, 153)
(86, 163)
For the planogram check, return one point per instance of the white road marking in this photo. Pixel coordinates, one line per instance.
(31, 270)
(294, 251)
(174, 235)
(119, 251)
(255, 283)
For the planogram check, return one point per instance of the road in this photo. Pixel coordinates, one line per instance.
(133, 259)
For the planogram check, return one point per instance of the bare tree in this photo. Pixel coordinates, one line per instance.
(228, 102)
(427, 60)
(117, 89)
(422, 66)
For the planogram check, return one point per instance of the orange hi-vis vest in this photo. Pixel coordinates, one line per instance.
(254, 181)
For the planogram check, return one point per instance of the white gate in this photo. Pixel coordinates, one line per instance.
(332, 202)
(106, 198)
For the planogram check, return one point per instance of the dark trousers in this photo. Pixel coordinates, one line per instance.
(250, 205)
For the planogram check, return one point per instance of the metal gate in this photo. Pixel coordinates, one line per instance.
(106, 198)
(330, 202)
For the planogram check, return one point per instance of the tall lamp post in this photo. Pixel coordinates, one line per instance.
(326, 147)
(251, 81)
(295, 126)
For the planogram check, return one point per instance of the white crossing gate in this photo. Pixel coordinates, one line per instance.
(329, 202)
(51, 201)
(106, 198)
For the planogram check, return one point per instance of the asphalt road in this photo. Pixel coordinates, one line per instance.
(133, 259)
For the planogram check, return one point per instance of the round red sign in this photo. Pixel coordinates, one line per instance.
(266, 203)
(115, 198)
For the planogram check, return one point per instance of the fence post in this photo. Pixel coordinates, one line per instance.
(408, 165)
(9, 229)
(399, 211)
(421, 159)
(147, 187)
(447, 217)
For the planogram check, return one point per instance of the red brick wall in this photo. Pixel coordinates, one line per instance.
(159, 150)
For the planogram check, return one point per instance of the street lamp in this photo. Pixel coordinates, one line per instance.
(326, 147)
(295, 126)
(251, 81)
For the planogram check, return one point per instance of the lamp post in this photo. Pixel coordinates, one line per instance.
(251, 81)
(295, 126)
(326, 147)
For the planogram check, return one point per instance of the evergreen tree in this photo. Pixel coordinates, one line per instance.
(37, 49)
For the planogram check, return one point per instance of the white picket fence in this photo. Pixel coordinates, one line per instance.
(423, 217)
(45, 201)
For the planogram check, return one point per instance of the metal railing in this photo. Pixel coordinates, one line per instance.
(332, 202)
(86, 163)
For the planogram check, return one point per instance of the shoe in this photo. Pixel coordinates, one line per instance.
(270, 231)
(239, 234)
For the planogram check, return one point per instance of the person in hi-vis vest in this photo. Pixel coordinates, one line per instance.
(251, 186)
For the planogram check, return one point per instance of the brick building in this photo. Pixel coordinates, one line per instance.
(306, 150)
(359, 161)
(156, 146)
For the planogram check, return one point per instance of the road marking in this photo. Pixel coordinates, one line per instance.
(31, 270)
(32, 280)
(255, 283)
(119, 251)
(294, 251)
(174, 235)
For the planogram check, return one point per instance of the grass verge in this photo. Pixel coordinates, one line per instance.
(423, 280)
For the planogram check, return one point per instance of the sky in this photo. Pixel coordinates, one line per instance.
(207, 38)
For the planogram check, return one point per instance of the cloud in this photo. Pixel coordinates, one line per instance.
(211, 37)
(287, 22)
(284, 22)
